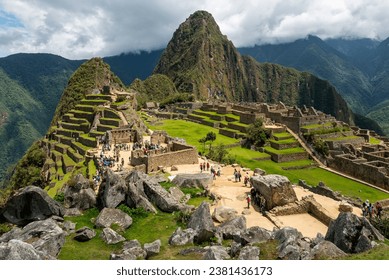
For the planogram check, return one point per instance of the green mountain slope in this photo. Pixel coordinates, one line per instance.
(202, 61)
(31, 87)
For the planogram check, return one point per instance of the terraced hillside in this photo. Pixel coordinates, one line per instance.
(76, 133)
(88, 108)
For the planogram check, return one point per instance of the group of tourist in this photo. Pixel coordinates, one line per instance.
(256, 198)
(204, 166)
(369, 210)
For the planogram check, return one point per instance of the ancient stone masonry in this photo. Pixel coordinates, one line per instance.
(125, 135)
(369, 163)
(174, 154)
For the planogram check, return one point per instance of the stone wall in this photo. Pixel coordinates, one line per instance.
(287, 157)
(282, 146)
(360, 168)
(227, 132)
(187, 156)
(158, 137)
(123, 135)
(307, 204)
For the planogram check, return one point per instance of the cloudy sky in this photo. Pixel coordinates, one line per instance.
(85, 28)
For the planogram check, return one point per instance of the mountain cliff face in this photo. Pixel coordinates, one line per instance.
(202, 61)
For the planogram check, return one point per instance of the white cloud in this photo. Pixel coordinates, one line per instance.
(82, 29)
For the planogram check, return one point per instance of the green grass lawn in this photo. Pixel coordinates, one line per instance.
(191, 132)
(245, 157)
(285, 151)
(317, 125)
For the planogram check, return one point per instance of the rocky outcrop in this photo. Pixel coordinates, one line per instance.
(182, 237)
(199, 180)
(112, 191)
(31, 204)
(327, 250)
(249, 253)
(352, 234)
(45, 236)
(143, 190)
(132, 250)
(223, 213)
(109, 216)
(216, 253)
(84, 234)
(201, 222)
(179, 195)
(19, 250)
(276, 189)
(111, 237)
(153, 248)
(293, 246)
(80, 194)
(233, 228)
(253, 235)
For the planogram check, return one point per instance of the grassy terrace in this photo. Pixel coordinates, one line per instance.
(284, 141)
(342, 138)
(285, 151)
(316, 125)
(211, 113)
(192, 132)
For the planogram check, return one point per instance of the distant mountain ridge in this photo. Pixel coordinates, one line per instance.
(359, 69)
(34, 82)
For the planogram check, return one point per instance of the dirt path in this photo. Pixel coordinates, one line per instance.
(233, 195)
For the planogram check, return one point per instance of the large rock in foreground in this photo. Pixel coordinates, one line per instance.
(352, 234)
(31, 204)
(19, 250)
(80, 195)
(202, 180)
(201, 222)
(45, 236)
(108, 217)
(276, 189)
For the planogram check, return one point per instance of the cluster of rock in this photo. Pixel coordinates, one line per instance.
(41, 230)
(347, 234)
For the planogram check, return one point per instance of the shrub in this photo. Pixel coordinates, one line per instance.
(134, 213)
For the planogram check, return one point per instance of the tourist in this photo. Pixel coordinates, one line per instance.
(236, 175)
(246, 179)
(239, 175)
(248, 199)
(263, 204)
(207, 166)
(218, 171)
(378, 208)
(370, 209)
(364, 208)
(201, 167)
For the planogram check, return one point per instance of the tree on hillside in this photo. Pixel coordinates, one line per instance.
(211, 136)
(256, 134)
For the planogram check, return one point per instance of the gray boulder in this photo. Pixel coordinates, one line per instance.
(216, 253)
(153, 248)
(112, 191)
(71, 212)
(69, 227)
(132, 250)
(201, 222)
(345, 207)
(292, 244)
(252, 235)
(326, 249)
(259, 171)
(276, 189)
(233, 227)
(84, 234)
(19, 250)
(235, 249)
(199, 180)
(249, 253)
(223, 213)
(110, 236)
(45, 236)
(79, 195)
(352, 234)
(144, 187)
(182, 237)
(31, 204)
(179, 195)
(109, 216)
